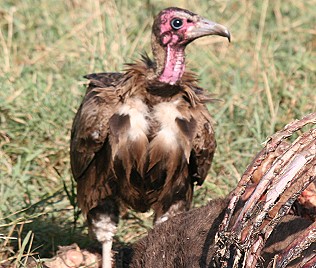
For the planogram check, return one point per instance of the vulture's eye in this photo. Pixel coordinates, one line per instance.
(176, 23)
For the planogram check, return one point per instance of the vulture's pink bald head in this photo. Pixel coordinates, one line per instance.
(176, 26)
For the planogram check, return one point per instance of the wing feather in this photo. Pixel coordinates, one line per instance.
(90, 126)
(204, 145)
(90, 152)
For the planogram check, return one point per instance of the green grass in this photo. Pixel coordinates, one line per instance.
(265, 78)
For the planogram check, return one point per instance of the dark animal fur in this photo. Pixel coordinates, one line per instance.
(187, 240)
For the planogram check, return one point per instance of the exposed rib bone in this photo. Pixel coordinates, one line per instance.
(285, 166)
(282, 208)
(295, 249)
(284, 177)
(272, 144)
(310, 263)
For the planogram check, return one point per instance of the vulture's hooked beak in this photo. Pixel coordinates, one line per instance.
(204, 27)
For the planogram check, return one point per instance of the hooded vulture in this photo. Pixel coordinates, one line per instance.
(142, 138)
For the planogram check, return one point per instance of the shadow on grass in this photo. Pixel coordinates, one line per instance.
(49, 236)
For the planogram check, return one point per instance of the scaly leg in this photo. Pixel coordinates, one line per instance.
(102, 222)
(107, 249)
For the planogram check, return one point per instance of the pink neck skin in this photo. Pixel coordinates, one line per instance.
(174, 59)
(174, 65)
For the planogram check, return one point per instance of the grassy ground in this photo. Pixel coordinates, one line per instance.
(265, 78)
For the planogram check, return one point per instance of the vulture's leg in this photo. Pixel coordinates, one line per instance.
(103, 221)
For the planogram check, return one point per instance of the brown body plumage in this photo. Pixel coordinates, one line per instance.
(144, 137)
(113, 154)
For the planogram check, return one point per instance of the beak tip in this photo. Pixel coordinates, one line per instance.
(227, 34)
